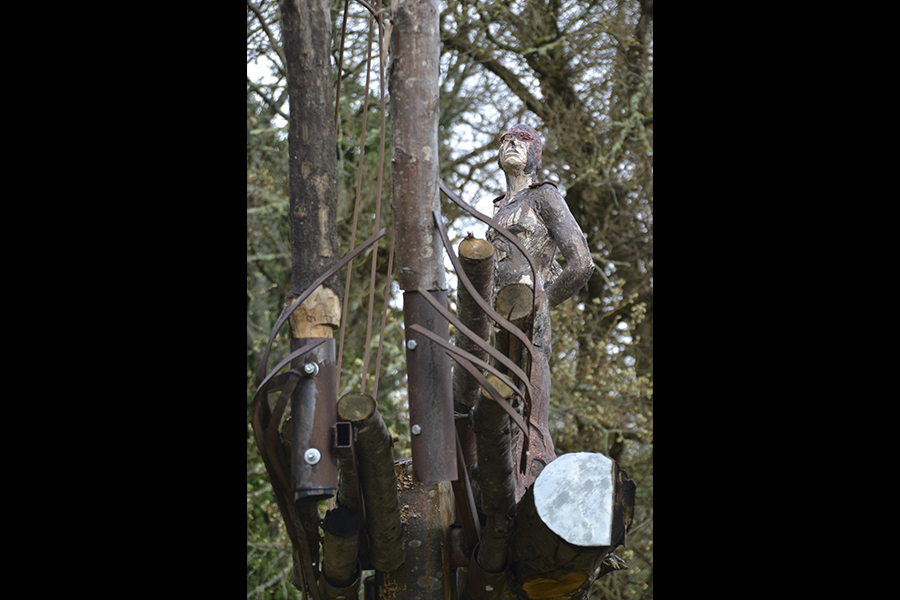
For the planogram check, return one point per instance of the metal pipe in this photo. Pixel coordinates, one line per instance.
(430, 385)
(348, 487)
(339, 562)
(313, 460)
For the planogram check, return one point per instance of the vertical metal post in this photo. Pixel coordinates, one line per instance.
(415, 51)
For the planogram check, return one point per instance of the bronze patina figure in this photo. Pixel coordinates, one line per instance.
(538, 215)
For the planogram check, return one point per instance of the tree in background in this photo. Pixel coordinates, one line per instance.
(579, 72)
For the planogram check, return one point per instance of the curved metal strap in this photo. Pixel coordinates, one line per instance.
(476, 297)
(265, 423)
(466, 361)
(493, 352)
(457, 353)
(513, 238)
(262, 369)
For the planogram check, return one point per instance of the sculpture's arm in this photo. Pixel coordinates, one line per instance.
(571, 243)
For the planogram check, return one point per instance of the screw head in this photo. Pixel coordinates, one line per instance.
(311, 369)
(411, 344)
(312, 456)
(416, 429)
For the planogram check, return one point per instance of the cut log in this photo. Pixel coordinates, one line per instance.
(355, 408)
(515, 301)
(375, 458)
(569, 522)
(477, 259)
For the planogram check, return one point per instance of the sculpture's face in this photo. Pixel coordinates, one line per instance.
(520, 150)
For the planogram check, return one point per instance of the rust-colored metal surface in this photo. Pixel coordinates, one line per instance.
(266, 420)
(314, 474)
(433, 434)
(481, 584)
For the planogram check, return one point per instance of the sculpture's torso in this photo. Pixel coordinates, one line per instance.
(522, 215)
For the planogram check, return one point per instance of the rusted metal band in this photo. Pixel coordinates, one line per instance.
(493, 352)
(334, 592)
(513, 238)
(481, 584)
(286, 313)
(265, 429)
(314, 473)
(463, 358)
(458, 354)
(476, 297)
(269, 429)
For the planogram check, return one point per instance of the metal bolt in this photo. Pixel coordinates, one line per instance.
(411, 344)
(312, 456)
(311, 369)
(416, 429)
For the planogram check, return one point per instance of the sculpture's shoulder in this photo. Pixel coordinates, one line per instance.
(535, 195)
(545, 196)
(543, 183)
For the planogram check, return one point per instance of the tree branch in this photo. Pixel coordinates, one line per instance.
(275, 45)
(272, 104)
(511, 80)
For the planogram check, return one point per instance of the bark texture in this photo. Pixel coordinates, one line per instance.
(311, 143)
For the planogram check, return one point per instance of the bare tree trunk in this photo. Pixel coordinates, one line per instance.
(415, 48)
(311, 143)
(306, 30)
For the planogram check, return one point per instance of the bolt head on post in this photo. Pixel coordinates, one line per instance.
(312, 456)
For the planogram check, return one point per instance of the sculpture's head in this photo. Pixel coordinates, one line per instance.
(520, 148)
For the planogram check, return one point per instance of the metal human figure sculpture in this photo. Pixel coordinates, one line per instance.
(538, 215)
